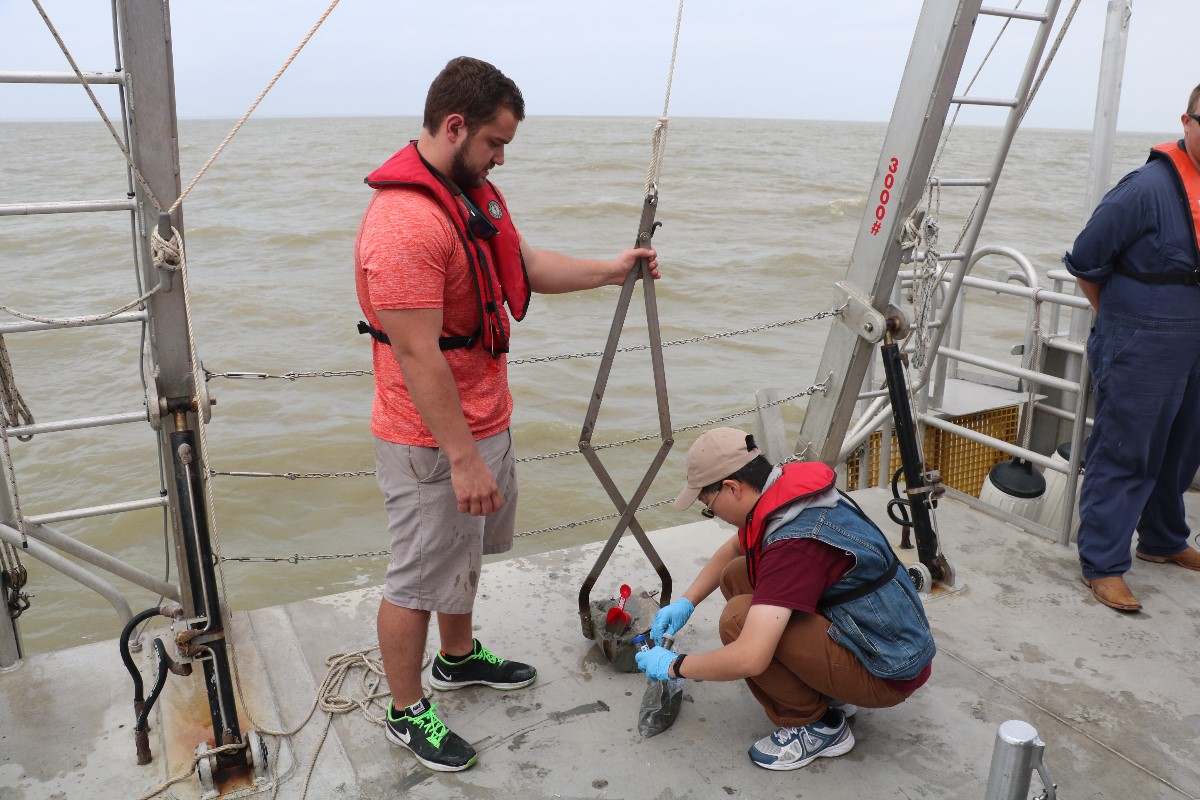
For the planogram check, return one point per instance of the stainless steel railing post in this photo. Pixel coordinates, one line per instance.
(1018, 751)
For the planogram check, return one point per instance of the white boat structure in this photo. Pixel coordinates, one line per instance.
(1034, 686)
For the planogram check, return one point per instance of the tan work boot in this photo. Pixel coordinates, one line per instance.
(1113, 593)
(1188, 559)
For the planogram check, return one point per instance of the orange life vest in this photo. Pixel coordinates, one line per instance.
(1188, 179)
(495, 258)
(799, 481)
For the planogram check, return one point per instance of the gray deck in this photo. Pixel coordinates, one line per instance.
(1115, 697)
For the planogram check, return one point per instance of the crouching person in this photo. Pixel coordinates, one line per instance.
(819, 617)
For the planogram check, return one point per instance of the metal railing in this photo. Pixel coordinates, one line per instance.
(930, 385)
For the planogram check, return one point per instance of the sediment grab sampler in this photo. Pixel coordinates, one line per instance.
(617, 645)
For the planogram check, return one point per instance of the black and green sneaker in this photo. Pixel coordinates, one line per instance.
(481, 667)
(436, 746)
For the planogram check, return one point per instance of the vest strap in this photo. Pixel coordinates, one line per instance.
(864, 590)
(444, 342)
(1160, 278)
(861, 591)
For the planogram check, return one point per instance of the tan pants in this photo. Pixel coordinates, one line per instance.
(809, 667)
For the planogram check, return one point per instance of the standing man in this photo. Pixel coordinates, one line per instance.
(1138, 264)
(437, 259)
(817, 606)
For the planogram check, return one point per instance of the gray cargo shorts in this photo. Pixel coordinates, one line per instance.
(437, 551)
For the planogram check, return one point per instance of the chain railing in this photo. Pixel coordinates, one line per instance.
(293, 376)
(297, 558)
(362, 473)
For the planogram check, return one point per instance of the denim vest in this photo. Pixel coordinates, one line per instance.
(886, 629)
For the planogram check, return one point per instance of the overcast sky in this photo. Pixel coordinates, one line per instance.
(791, 59)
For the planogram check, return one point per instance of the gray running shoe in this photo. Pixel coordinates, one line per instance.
(793, 748)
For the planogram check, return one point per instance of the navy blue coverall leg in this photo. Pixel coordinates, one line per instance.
(1144, 449)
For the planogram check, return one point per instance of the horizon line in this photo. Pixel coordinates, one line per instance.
(214, 118)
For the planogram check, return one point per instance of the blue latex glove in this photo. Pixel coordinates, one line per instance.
(655, 662)
(671, 619)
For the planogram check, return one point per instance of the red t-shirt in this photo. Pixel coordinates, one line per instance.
(794, 573)
(408, 255)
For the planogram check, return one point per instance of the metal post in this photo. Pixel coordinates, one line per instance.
(145, 29)
(1108, 102)
(934, 62)
(10, 645)
(768, 425)
(153, 140)
(1018, 751)
(211, 637)
(1104, 130)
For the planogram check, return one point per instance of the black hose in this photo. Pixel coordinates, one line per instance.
(164, 662)
(126, 632)
(896, 504)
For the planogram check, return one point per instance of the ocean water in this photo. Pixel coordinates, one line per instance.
(759, 220)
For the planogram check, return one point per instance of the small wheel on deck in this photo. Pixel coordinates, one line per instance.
(919, 575)
(205, 767)
(256, 755)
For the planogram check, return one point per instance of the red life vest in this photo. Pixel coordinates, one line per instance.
(799, 481)
(1189, 184)
(496, 262)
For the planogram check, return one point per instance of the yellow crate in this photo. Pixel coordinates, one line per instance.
(963, 463)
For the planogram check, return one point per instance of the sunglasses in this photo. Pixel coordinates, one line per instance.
(1195, 117)
(708, 512)
(477, 222)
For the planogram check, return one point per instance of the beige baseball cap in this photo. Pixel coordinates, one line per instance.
(715, 455)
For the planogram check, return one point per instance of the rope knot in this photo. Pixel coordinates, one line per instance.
(166, 254)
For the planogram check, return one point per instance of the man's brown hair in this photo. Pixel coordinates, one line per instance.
(473, 88)
(1192, 98)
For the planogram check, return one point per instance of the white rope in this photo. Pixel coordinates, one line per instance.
(116, 136)
(922, 241)
(1062, 32)
(13, 411)
(253, 106)
(1028, 100)
(75, 322)
(331, 699)
(659, 137)
(11, 477)
(227, 748)
(920, 310)
(167, 255)
(982, 63)
(13, 408)
(170, 255)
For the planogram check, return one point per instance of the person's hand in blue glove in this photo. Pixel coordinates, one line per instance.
(671, 619)
(655, 662)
